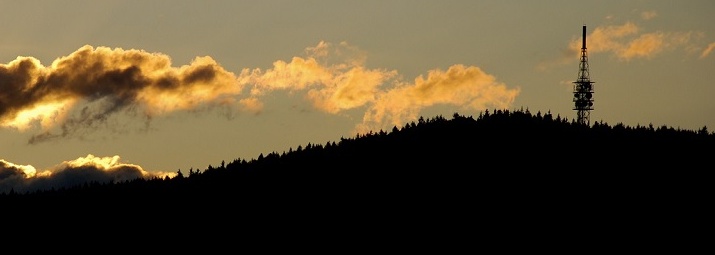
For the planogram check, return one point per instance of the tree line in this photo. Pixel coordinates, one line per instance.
(439, 159)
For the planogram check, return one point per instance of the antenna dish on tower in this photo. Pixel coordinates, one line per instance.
(583, 87)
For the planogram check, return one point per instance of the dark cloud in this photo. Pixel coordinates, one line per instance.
(69, 174)
(87, 87)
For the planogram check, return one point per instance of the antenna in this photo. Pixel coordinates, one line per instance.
(583, 88)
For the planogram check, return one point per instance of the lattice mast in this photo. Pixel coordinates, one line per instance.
(583, 88)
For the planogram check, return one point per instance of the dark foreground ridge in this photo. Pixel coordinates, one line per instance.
(502, 163)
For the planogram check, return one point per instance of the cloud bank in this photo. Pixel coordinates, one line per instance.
(80, 92)
(24, 178)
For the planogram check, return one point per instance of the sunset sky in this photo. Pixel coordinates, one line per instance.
(120, 89)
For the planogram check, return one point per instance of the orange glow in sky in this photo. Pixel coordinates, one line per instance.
(46, 113)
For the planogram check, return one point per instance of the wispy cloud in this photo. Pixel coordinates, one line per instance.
(708, 50)
(335, 79)
(467, 87)
(647, 15)
(628, 42)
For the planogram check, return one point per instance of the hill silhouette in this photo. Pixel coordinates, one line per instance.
(532, 169)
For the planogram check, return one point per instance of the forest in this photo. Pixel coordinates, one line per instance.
(500, 158)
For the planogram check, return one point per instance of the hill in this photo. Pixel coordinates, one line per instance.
(515, 167)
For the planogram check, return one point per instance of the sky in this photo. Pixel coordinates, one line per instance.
(115, 90)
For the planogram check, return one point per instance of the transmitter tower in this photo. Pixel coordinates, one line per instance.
(583, 88)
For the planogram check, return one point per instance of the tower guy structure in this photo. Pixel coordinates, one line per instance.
(583, 88)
